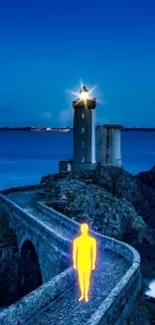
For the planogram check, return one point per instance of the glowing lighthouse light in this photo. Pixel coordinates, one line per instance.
(84, 93)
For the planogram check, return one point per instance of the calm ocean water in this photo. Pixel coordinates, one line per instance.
(26, 156)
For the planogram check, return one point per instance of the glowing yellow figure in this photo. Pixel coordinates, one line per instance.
(84, 259)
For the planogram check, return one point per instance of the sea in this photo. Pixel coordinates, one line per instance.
(27, 156)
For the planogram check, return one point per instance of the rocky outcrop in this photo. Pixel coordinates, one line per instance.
(140, 314)
(116, 203)
(147, 181)
(113, 201)
(104, 212)
(9, 283)
(147, 177)
(124, 185)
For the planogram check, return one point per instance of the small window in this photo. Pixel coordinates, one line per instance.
(82, 130)
(82, 115)
(82, 144)
(82, 159)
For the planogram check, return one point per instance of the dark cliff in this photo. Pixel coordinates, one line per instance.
(9, 284)
(115, 203)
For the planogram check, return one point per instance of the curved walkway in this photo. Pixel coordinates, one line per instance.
(110, 270)
(67, 309)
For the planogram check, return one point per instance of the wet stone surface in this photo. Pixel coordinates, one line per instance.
(24, 199)
(67, 310)
(109, 270)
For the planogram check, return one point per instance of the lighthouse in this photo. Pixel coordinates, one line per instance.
(84, 153)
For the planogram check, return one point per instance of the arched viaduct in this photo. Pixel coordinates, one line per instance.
(44, 239)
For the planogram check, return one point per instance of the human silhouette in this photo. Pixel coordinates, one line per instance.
(84, 259)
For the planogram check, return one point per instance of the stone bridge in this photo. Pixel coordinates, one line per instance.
(44, 239)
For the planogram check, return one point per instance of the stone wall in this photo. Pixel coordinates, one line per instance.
(117, 304)
(29, 227)
(23, 310)
(120, 300)
(22, 188)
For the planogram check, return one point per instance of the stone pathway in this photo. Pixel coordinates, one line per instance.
(23, 198)
(66, 309)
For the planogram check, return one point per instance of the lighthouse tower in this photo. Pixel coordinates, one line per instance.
(84, 154)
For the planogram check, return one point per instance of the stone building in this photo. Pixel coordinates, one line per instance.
(91, 145)
(108, 145)
(84, 155)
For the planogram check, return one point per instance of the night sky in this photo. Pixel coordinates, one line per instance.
(47, 47)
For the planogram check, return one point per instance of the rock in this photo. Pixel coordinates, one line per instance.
(139, 315)
(116, 203)
(147, 177)
(108, 214)
(9, 280)
(147, 252)
(124, 185)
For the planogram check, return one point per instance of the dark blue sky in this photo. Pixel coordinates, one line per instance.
(46, 47)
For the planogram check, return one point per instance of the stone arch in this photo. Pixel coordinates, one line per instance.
(29, 269)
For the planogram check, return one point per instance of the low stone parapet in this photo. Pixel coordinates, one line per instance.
(111, 311)
(26, 308)
(121, 299)
(22, 188)
(44, 239)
